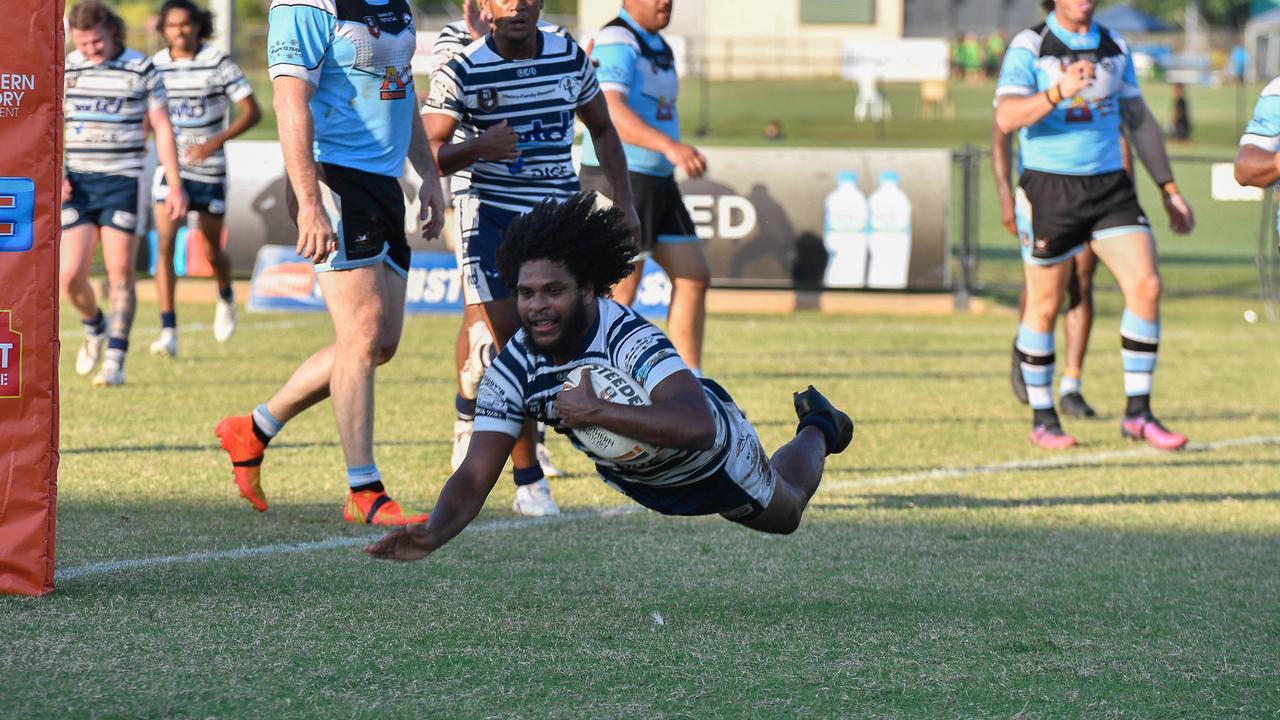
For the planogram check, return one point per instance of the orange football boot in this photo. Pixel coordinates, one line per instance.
(245, 449)
(369, 507)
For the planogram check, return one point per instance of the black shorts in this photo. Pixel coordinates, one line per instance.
(663, 216)
(1058, 214)
(367, 212)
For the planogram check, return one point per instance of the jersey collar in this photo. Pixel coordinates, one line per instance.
(1076, 41)
(653, 39)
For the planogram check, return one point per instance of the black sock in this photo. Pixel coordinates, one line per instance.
(822, 424)
(1047, 417)
(375, 486)
(1138, 406)
(526, 476)
(258, 432)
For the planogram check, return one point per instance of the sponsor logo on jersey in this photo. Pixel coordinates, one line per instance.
(569, 87)
(487, 98)
(395, 81)
(10, 356)
(371, 22)
(188, 108)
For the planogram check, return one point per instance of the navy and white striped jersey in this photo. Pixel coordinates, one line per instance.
(538, 98)
(452, 40)
(103, 107)
(201, 92)
(523, 383)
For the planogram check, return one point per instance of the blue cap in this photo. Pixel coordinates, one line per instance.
(847, 176)
(889, 176)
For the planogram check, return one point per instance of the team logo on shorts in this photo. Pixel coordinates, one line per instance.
(69, 216)
(217, 207)
(371, 22)
(124, 219)
(488, 99)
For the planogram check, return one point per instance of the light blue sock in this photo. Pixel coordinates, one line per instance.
(1036, 350)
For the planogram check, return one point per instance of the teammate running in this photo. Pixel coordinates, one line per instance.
(110, 90)
(474, 347)
(637, 73)
(202, 84)
(519, 87)
(344, 101)
(1069, 85)
(561, 260)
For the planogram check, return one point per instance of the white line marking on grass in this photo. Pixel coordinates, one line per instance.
(196, 327)
(341, 541)
(1065, 460)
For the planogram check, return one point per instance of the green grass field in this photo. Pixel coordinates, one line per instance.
(945, 569)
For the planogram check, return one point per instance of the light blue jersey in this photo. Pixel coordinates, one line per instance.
(1081, 136)
(1263, 129)
(537, 97)
(646, 76)
(357, 54)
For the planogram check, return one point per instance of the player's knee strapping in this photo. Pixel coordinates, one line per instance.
(1139, 345)
(1036, 358)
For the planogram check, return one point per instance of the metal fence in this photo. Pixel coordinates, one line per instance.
(1232, 252)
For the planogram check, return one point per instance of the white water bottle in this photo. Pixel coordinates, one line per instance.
(889, 241)
(845, 233)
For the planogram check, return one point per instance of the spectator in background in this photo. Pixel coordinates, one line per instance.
(1180, 126)
(1237, 63)
(994, 53)
(773, 130)
(971, 56)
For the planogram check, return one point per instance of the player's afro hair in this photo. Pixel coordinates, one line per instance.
(595, 246)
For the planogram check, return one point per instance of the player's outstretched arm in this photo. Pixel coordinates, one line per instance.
(460, 501)
(1257, 167)
(678, 417)
(1147, 140)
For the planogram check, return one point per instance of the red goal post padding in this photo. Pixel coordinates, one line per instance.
(31, 63)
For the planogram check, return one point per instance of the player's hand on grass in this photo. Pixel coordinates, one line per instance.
(499, 142)
(1181, 219)
(197, 154)
(175, 204)
(687, 158)
(576, 406)
(316, 238)
(403, 545)
(431, 198)
(1076, 77)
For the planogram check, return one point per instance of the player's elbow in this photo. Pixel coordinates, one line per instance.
(1247, 173)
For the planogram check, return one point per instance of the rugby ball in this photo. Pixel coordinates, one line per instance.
(615, 386)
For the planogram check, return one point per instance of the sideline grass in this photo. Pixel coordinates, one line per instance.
(1141, 587)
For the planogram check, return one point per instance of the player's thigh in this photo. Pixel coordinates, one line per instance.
(625, 291)
(1131, 257)
(355, 303)
(75, 254)
(676, 246)
(683, 260)
(392, 289)
(503, 319)
(1046, 285)
(482, 228)
(211, 234)
(119, 250)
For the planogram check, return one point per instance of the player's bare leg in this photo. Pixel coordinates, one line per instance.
(1046, 285)
(625, 291)
(686, 264)
(823, 430)
(1077, 325)
(73, 282)
(119, 249)
(1132, 259)
(224, 320)
(166, 280)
